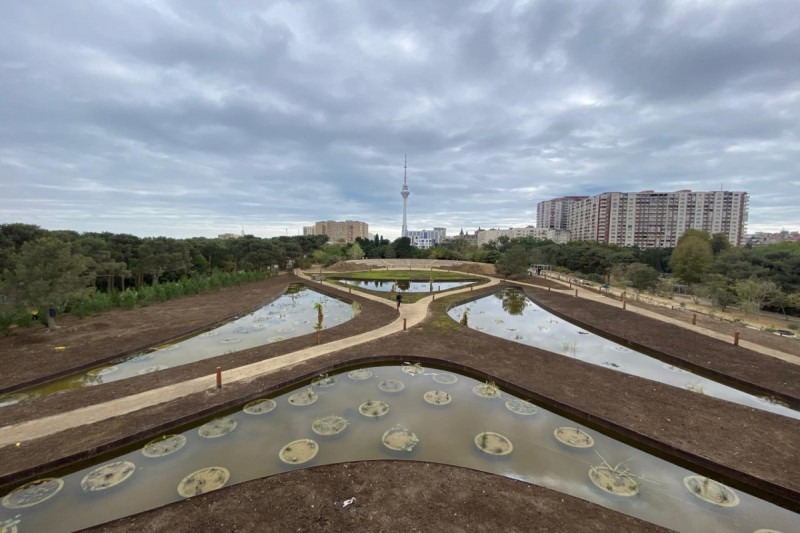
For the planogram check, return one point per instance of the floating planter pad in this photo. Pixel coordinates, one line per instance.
(96, 372)
(306, 397)
(329, 425)
(230, 340)
(493, 443)
(437, 397)
(217, 427)
(399, 439)
(323, 381)
(107, 476)
(154, 368)
(360, 374)
(486, 390)
(33, 493)
(163, 446)
(711, 491)
(261, 406)
(574, 437)
(613, 481)
(391, 385)
(203, 480)
(299, 451)
(445, 379)
(373, 408)
(521, 407)
(414, 370)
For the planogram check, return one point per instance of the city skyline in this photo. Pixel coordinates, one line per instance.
(189, 119)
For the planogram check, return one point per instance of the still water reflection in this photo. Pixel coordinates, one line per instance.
(291, 315)
(511, 315)
(405, 285)
(384, 413)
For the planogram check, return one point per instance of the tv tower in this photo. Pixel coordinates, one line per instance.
(404, 193)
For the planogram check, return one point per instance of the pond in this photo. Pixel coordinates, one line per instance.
(405, 285)
(511, 315)
(389, 412)
(291, 315)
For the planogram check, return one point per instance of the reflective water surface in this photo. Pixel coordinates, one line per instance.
(384, 413)
(511, 315)
(291, 315)
(405, 285)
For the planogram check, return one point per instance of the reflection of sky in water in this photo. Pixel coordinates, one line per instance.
(291, 315)
(406, 286)
(446, 435)
(534, 326)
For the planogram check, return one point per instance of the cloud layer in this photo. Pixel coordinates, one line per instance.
(196, 118)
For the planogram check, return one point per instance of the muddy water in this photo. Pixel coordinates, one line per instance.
(291, 315)
(511, 315)
(405, 286)
(446, 434)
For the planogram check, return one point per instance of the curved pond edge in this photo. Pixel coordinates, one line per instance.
(763, 489)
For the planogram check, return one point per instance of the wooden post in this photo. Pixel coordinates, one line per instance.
(694, 319)
(624, 305)
(434, 295)
(576, 293)
(219, 377)
(548, 289)
(350, 290)
(404, 324)
(736, 338)
(317, 336)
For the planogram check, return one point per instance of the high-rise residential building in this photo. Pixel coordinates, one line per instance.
(339, 232)
(427, 238)
(553, 213)
(650, 219)
(485, 236)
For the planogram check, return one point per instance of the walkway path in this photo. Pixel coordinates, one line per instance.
(591, 295)
(41, 427)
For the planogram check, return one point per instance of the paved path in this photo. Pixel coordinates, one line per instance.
(591, 295)
(41, 427)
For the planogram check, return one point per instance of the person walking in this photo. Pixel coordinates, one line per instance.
(399, 299)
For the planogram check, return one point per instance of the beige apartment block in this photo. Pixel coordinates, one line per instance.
(339, 232)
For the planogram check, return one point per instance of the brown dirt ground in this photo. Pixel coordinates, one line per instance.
(709, 435)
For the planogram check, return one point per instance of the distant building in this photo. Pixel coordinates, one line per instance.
(339, 232)
(761, 238)
(228, 236)
(647, 219)
(485, 236)
(427, 238)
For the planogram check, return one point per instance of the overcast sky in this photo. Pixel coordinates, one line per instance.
(194, 118)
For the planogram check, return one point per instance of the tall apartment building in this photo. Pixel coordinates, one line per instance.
(339, 232)
(650, 219)
(554, 213)
(485, 236)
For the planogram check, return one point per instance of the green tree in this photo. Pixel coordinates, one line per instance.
(692, 256)
(46, 273)
(753, 295)
(719, 243)
(514, 262)
(402, 248)
(355, 251)
(642, 277)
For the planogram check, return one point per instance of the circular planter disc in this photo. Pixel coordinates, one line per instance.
(486, 390)
(391, 385)
(323, 381)
(329, 425)
(573, 437)
(373, 408)
(217, 427)
(306, 397)
(711, 491)
(230, 340)
(299, 451)
(164, 446)
(413, 370)
(399, 439)
(445, 379)
(107, 476)
(493, 443)
(203, 480)
(521, 407)
(613, 482)
(97, 372)
(33, 493)
(261, 406)
(437, 397)
(360, 375)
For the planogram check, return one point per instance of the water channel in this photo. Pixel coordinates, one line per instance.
(389, 412)
(511, 315)
(291, 315)
(405, 285)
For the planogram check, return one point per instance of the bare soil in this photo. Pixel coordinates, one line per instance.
(710, 436)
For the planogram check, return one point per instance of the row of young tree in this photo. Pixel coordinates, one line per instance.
(42, 270)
